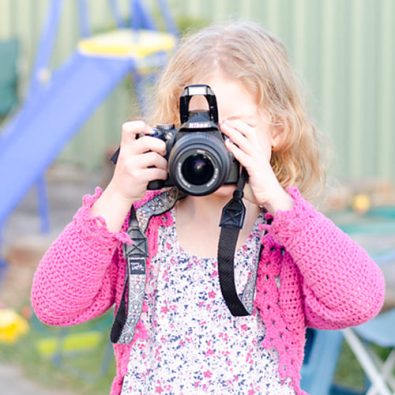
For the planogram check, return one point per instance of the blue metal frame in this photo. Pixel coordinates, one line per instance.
(46, 46)
(139, 18)
(83, 13)
(322, 352)
(38, 91)
(168, 18)
(116, 14)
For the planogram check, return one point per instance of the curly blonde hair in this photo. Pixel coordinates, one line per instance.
(246, 52)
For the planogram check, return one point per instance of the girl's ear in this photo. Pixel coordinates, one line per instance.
(277, 136)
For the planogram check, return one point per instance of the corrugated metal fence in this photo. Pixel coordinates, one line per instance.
(343, 50)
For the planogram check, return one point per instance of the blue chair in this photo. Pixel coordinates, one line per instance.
(322, 352)
(366, 340)
(363, 340)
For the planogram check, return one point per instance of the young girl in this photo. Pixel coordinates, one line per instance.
(309, 273)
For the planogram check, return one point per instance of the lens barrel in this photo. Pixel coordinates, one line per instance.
(199, 164)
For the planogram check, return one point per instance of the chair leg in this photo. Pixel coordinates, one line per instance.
(386, 371)
(43, 204)
(388, 367)
(3, 268)
(366, 362)
(3, 262)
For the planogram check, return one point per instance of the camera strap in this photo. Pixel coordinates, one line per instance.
(136, 254)
(232, 220)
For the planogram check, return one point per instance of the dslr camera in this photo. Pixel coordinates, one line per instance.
(198, 161)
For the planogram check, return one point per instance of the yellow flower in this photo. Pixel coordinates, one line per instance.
(361, 203)
(12, 326)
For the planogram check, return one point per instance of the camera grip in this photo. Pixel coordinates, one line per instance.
(154, 185)
(114, 156)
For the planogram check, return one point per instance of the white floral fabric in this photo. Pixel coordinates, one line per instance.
(194, 344)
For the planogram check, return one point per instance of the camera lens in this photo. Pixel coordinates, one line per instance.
(199, 163)
(197, 169)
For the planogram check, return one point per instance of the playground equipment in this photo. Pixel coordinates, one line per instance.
(9, 50)
(56, 108)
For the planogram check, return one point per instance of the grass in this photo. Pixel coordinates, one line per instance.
(349, 373)
(83, 369)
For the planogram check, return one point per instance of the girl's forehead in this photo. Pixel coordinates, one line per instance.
(225, 88)
(228, 110)
(234, 101)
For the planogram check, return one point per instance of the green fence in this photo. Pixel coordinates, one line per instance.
(343, 51)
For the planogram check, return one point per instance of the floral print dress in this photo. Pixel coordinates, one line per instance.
(194, 344)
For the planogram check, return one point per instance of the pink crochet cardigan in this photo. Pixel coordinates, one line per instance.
(327, 280)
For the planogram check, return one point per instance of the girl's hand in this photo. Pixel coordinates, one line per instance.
(252, 148)
(140, 161)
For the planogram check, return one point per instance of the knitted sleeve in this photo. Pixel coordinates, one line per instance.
(341, 285)
(75, 280)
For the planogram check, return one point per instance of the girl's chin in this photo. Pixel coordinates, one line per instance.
(224, 191)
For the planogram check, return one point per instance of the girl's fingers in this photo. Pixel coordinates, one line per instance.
(146, 144)
(130, 131)
(238, 153)
(148, 160)
(152, 173)
(142, 176)
(241, 126)
(241, 136)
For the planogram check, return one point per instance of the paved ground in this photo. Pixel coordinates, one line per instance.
(65, 190)
(13, 382)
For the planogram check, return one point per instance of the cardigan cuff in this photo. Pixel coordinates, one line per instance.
(95, 228)
(283, 225)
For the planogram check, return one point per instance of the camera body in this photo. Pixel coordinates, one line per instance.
(198, 161)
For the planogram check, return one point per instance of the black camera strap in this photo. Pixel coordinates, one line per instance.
(232, 220)
(136, 253)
